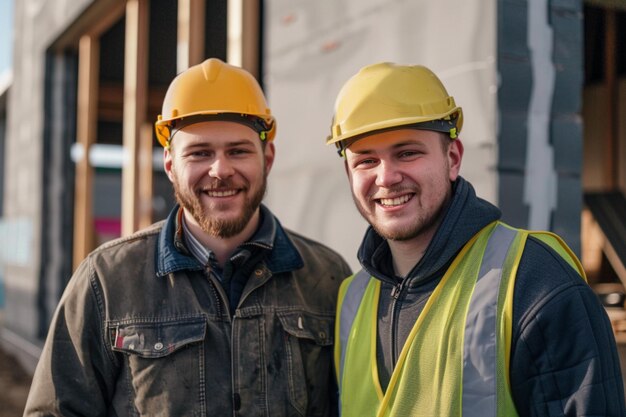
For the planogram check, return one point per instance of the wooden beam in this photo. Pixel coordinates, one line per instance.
(616, 263)
(94, 21)
(146, 173)
(88, 65)
(191, 21)
(234, 38)
(251, 31)
(610, 75)
(111, 101)
(243, 34)
(135, 106)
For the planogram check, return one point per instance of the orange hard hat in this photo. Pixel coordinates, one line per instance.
(214, 90)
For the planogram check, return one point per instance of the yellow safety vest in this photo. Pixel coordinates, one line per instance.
(455, 361)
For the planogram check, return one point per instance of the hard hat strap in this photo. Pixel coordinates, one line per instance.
(447, 126)
(255, 123)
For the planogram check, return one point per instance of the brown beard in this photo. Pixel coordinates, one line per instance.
(222, 229)
(422, 223)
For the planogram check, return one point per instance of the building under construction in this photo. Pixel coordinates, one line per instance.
(542, 84)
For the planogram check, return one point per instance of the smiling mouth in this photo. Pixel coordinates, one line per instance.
(220, 193)
(397, 201)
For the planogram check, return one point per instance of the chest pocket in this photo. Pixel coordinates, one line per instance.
(163, 365)
(156, 340)
(308, 345)
(318, 329)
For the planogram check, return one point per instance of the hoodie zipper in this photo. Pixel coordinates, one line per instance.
(396, 292)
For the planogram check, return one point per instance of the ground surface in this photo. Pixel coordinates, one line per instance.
(14, 384)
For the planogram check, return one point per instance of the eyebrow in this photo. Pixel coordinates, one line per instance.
(395, 146)
(209, 144)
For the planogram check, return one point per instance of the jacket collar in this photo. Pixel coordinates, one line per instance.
(172, 254)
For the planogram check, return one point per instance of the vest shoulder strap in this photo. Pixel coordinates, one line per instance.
(560, 247)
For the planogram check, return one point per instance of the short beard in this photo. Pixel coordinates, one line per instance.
(423, 223)
(222, 229)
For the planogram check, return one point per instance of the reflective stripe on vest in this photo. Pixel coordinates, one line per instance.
(479, 350)
(479, 282)
(351, 303)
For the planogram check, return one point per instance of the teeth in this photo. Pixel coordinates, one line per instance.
(221, 193)
(395, 201)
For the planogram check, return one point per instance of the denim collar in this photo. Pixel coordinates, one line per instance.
(172, 255)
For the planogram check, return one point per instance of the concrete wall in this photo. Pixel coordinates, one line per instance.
(313, 47)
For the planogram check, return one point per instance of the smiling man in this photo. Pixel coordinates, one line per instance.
(216, 311)
(454, 312)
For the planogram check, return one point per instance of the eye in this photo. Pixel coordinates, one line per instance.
(196, 154)
(199, 154)
(364, 163)
(409, 153)
(239, 151)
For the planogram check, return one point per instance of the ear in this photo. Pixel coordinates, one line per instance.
(167, 163)
(455, 156)
(269, 154)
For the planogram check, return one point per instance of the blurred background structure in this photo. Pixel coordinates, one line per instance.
(542, 84)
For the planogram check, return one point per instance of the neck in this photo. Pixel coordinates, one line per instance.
(222, 248)
(407, 253)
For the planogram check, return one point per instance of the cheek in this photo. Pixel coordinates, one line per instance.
(359, 184)
(437, 185)
(253, 170)
(188, 176)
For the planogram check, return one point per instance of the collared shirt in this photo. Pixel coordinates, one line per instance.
(172, 254)
(234, 274)
(203, 254)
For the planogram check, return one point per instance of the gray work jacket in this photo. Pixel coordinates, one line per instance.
(144, 330)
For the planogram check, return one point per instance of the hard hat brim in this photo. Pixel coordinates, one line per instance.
(386, 125)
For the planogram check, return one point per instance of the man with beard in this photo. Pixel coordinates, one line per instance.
(216, 311)
(454, 312)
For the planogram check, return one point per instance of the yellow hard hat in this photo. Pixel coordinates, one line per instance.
(214, 90)
(387, 96)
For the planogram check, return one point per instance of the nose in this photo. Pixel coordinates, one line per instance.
(387, 174)
(221, 168)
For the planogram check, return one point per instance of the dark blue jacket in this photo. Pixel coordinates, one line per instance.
(563, 358)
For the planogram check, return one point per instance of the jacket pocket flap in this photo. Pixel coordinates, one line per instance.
(155, 340)
(308, 326)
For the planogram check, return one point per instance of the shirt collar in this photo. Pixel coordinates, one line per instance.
(262, 238)
(174, 253)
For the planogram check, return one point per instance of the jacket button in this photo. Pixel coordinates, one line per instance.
(158, 346)
(258, 272)
(322, 335)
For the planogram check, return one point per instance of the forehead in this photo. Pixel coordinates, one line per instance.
(215, 132)
(394, 138)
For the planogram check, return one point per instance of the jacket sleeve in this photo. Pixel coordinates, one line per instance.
(564, 359)
(75, 375)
